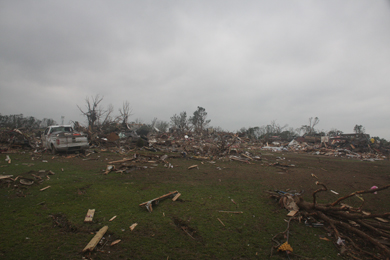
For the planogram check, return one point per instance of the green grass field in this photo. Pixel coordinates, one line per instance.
(50, 224)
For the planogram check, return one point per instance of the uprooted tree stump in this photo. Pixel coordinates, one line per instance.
(351, 227)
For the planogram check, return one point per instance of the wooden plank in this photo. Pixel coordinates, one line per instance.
(109, 169)
(250, 158)
(36, 176)
(192, 167)
(89, 216)
(133, 226)
(239, 160)
(292, 213)
(5, 177)
(111, 219)
(45, 188)
(95, 240)
(121, 161)
(161, 197)
(176, 197)
(233, 212)
(149, 207)
(115, 242)
(221, 222)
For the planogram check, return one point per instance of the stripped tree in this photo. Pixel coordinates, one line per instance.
(125, 112)
(93, 112)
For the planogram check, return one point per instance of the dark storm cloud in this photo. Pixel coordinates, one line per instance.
(247, 62)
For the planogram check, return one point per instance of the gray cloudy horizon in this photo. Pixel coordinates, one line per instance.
(246, 62)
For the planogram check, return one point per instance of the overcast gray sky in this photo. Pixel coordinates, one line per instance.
(246, 62)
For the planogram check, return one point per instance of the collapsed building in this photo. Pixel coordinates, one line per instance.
(211, 144)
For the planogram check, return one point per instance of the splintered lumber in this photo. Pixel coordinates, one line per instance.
(233, 212)
(176, 197)
(25, 181)
(5, 177)
(200, 157)
(161, 197)
(185, 230)
(89, 216)
(221, 222)
(36, 176)
(148, 204)
(247, 156)
(292, 213)
(239, 160)
(111, 219)
(115, 242)
(95, 240)
(45, 188)
(192, 167)
(133, 226)
(124, 160)
(109, 168)
(149, 207)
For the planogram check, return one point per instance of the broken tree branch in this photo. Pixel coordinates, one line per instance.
(315, 192)
(358, 192)
(352, 227)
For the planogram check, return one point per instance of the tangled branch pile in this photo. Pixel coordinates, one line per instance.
(358, 234)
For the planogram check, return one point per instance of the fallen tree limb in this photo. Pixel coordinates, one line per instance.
(358, 192)
(356, 231)
(353, 229)
(315, 192)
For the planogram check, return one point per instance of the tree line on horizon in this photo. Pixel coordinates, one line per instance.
(99, 117)
(19, 121)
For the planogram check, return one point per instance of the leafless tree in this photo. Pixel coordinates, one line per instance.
(107, 114)
(309, 129)
(276, 128)
(125, 112)
(94, 112)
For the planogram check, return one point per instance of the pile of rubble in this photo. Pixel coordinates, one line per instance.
(358, 148)
(22, 181)
(208, 145)
(15, 138)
